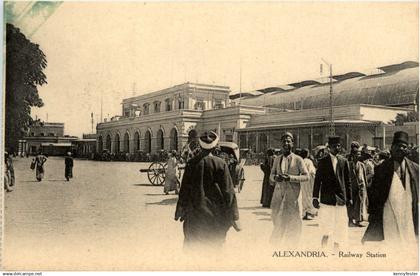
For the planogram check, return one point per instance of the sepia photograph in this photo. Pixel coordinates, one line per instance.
(210, 136)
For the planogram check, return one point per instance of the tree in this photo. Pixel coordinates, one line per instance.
(25, 63)
(401, 118)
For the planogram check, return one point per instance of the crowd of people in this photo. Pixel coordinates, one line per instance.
(362, 188)
(365, 187)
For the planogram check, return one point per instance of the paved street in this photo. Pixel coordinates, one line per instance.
(109, 217)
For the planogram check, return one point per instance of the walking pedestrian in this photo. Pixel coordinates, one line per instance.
(10, 168)
(332, 192)
(68, 161)
(287, 173)
(207, 203)
(6, 178)
(267, 188)
(358, 211)
(393, 199)
(40, 160)
(308, 210)
(171, 177)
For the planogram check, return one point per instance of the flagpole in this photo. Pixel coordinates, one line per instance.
(331, 113)
(240, 80)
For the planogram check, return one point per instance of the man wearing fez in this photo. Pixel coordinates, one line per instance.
(207, 202)
(358, 211)
(332, 193)
(393, 198)
(287, 173)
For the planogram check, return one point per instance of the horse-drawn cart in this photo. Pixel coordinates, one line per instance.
(228, 151)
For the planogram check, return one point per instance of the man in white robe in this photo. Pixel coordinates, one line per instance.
(393, 198)
(287, 173)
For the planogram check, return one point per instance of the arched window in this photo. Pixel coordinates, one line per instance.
(148, 142)
(136, 141)
(108, 142)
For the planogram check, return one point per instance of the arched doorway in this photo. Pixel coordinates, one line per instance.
(148, 142)
(174, 139)
(108, 142)
(136, 141)
(192, 135)
(126, 142)
(159, 139)
(117, 143)
(100, 144)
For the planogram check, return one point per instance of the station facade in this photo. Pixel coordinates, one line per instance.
(162, 120)
(364, 106)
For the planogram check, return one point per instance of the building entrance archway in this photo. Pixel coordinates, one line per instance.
(117, 143)
(173, 139)
(148, 142)
(159, 140)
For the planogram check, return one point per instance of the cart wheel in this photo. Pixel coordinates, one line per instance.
(241, 180)
(156, 174)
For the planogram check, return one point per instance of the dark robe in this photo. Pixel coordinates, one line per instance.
(207, 202)
(39, 166)
(267, 189)
(68, 173)
(378, 195)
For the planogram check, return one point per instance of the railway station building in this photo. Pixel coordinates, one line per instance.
(364, 104)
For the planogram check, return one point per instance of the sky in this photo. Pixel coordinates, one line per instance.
(114, 50)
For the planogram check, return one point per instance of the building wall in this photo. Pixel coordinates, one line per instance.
(192, 96)
(173, 126)
(47, 129)
(380, 113)
(260, 140)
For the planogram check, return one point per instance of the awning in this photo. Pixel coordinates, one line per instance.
(56, 144)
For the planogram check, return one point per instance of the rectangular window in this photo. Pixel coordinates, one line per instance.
(168, 105)
(146, 109)
(199, 105)
(157, 107)
(181, 104)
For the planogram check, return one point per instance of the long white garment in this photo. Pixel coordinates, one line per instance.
(398, 215)
(307, 189)
(285, 211)
(333, 223)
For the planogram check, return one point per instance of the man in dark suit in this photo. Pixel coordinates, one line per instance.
(332, 194)
(393, 198)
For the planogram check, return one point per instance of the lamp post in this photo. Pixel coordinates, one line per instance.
(332, 126)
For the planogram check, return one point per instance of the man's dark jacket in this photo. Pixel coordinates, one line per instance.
(335, 188)
(378, 195)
